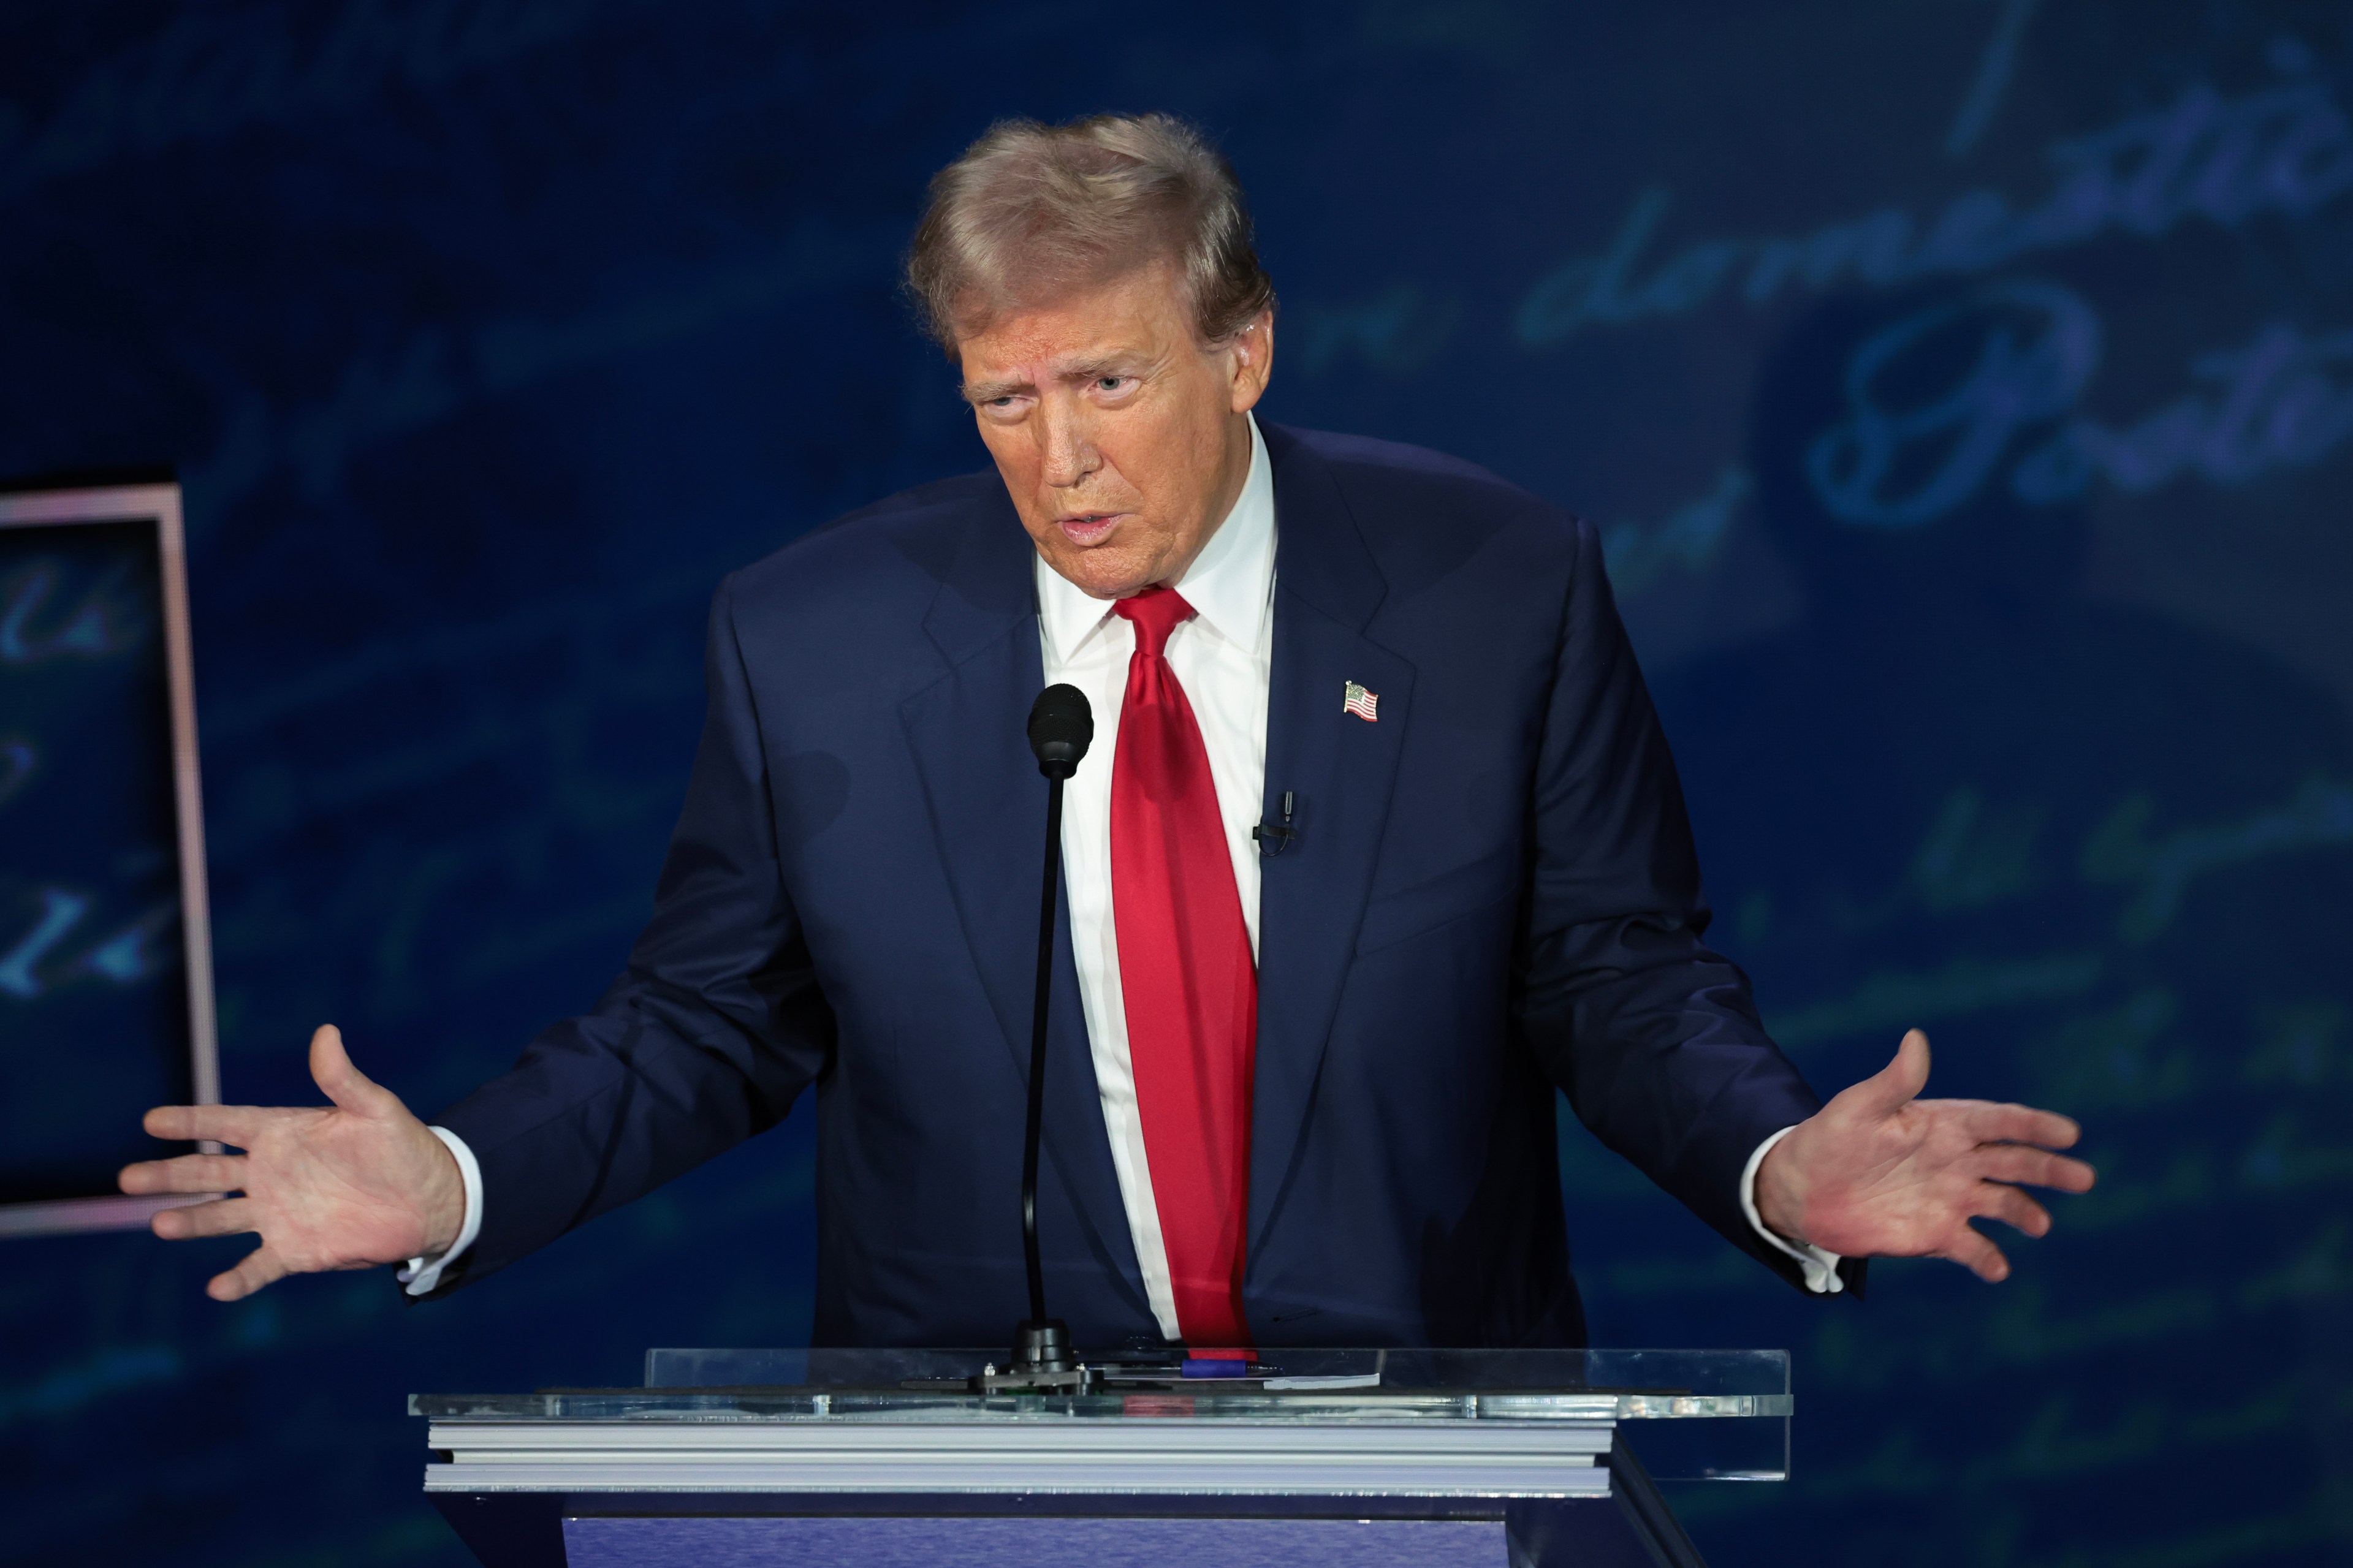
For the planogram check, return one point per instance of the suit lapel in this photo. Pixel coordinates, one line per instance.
(1343, 770)
(989, 810)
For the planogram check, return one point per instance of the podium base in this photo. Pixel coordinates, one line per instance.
(1632, 1526)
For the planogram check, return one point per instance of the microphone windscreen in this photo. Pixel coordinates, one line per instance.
(1061, 727)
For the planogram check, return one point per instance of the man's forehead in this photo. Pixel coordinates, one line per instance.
(1046, 372)
(1044, 354)
(1071, 336)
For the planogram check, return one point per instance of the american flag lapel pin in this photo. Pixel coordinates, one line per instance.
(1363, 704)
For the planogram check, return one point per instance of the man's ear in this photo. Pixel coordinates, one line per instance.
(1253, 361)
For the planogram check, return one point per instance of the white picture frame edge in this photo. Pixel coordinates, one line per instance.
(160, 502)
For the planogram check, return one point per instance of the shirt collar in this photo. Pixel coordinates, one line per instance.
(1229, 583)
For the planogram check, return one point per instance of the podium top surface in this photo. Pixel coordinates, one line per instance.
(1289, 1422)
(1285, 1384)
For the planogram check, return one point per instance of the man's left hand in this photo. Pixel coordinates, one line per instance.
(1879, 1172)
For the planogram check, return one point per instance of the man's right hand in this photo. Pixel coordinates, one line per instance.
(352, 1186)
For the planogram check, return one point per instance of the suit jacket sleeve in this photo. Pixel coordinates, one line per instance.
(1654, 1037)
(710, 1033)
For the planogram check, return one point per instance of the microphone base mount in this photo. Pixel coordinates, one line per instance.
(1042, 1362)
(1042, 1346)
(1080, 1379)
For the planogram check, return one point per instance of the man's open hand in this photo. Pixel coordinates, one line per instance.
(1879, 1172)
(360, 1183)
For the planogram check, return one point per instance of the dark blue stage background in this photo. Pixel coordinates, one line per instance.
(1965, 387)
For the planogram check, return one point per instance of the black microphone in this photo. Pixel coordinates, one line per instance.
(1061, 727)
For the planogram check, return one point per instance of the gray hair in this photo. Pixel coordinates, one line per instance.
(1032, 212)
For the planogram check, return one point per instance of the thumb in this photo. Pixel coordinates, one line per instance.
(332, 1069)
(1900, 1082)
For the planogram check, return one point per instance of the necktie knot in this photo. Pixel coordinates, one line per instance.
(1155, 612)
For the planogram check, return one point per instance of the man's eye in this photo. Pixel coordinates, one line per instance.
(1112, 383)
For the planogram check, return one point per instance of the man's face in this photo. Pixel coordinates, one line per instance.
(1121, 438)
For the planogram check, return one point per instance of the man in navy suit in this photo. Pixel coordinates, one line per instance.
(1379, 844)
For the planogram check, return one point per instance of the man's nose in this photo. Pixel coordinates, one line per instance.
(1070, 453)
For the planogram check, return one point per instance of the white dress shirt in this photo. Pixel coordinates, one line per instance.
(1224, 658)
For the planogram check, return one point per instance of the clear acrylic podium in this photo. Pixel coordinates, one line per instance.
(1429, 1457)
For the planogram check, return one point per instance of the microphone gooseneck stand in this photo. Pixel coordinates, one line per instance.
(1041, 1342)
(1061, 727)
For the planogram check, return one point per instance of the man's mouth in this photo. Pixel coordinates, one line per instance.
(1088, 527)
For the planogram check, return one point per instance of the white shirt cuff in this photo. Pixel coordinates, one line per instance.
(1821, 1267)
(423, 1274)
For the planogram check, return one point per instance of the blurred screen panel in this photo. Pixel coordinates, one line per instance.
(96, 1017)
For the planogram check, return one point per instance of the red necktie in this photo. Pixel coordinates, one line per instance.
(1190, 985)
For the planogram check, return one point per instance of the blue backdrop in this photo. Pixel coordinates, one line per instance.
(1965, 388)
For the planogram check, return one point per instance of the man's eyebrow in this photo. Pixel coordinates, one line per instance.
(1103, 364)
(1116, 364)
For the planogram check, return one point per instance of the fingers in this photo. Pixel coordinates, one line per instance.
(331, 1068)
(188, 1173)
(257, 1269)
(2032, 1167)
(2020, 1124)
(233, 1124)
(2013, 1208)
(1981, 1257)
(1900, 1082)
(222, 1216)
(1910, 1067)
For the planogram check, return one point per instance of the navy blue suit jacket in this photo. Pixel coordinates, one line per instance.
(1492, 892)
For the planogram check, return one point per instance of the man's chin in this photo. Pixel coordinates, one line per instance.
(1099, 575)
